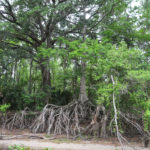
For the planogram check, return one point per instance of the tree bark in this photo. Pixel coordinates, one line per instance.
(30, 78)
(104, 119)
(75, 82)
(83, 94)
(45, 72)
(46, 80)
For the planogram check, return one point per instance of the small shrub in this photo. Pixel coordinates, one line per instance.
(4, 107)
(18, 147)
(48, 149)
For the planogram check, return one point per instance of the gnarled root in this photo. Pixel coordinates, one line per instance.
(18, 120)
(63, 119)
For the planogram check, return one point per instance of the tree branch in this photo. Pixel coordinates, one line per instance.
(29, 33)
(103, 17)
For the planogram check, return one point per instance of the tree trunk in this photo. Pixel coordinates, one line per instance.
(94, 127)
(15, 70)
(46, 81)
(75, 82)
(30, 79)
(45, 72)
(103, 133)
(83, 94)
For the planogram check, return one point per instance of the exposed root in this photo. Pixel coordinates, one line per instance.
(97, 126)
(73, 120)
(121, 139)
(145, 134)
(133, 123)
(63, 119)
(19, 120)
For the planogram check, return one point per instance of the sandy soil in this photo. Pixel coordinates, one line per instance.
(38, 144)
(65, 144)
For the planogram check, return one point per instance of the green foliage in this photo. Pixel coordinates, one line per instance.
(48, 149)
(21, 147)
(12, 93)
(4, 107)
(34, 100)
(147, 119)
(18, 147)
(41, 54)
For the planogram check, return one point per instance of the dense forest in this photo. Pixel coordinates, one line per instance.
(76, 67)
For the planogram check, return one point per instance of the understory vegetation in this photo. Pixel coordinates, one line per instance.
(76, 67)
(21, 147)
